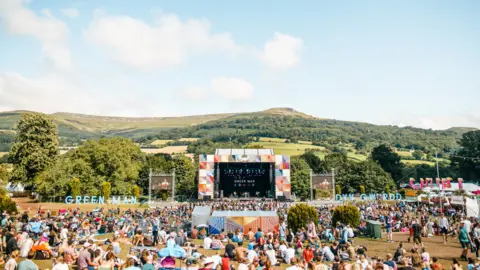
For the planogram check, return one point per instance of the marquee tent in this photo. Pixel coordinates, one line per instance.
(200, 215)
(229, 221)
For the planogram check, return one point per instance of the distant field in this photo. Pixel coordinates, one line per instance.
(281, 148)
(161, 142)
(305, 142)
(166, 150)
(3, 154)
(404, 153)
(418, 162)
(355, 156)
(264, 139)
(188, 139)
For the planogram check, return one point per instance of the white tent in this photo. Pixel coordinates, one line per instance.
(14, 187)
(200, 215)
(472, 208)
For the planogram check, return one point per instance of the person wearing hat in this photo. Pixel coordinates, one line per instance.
(207, 263)
(84, 257)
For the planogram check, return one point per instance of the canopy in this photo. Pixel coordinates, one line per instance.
(472, 208)
(200, 215)
(14, 187)
(244, 214)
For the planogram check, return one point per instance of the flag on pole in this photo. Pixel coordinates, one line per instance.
(460, 183)
(421, 183)
(412, 181)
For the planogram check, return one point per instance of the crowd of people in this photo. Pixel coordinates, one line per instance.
(163, 238)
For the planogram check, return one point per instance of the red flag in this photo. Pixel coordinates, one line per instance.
(449, 182)
(421, 182)
(460, 183)
(438, 182)
(412, 180)
(444, 183)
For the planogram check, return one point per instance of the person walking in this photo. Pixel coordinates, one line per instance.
(443, 224)
(464, 238)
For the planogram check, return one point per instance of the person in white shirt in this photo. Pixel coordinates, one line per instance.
(163, 236)
(207, 242)
(252, 254)
(60, 265)
(288, 254)
(64, 234)
(217, 260)
(444, 226)
(271, 255)
(327, 254)
(295, 265)
(243, 265)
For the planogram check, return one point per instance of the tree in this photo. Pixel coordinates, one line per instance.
(389, 161)
(366, 173)
(338, 190)
(7, 205)
(334, 161)
(300, 177)
(313, 161)
(362, 189)
(300, 215)
(136, 191)
(418, 154)
(35, 148)
(467, 160)
(184, 175)
(346, 214)
(75, 187)
(115, 160)
(157, 163)
(106, 189)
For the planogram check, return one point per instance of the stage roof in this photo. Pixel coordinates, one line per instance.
(248, 152)
(244, 214)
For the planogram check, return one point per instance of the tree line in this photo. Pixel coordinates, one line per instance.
(120, 163)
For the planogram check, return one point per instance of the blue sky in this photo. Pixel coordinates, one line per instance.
(385, 62)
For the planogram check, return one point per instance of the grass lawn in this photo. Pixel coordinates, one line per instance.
(404, 153)
(277, 140)
(188, 139)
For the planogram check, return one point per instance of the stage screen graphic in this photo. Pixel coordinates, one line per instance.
(206, 173)
(162, 182)
(238, 178)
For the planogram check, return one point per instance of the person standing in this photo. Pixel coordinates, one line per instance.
(28, 264)
(388, 227)
(464, 238)
(417, 233)
(443, 224)
(476, 238)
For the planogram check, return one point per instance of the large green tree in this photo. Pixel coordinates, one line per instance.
(184, 176)
(313, 161)
(157, 163)
(35, 148)
(116, 160)
(389, 160)
(467, 159)
(300, 177)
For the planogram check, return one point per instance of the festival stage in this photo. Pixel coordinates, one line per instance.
(244, 174)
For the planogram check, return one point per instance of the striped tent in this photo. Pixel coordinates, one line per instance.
(229, 221)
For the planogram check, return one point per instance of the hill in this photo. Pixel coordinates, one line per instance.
(284, 123)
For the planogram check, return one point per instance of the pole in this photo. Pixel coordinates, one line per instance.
(438, 176)
(311, 186)
(333, 184)
(150, 187)
(173, 185)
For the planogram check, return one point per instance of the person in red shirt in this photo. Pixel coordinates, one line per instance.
(308, 254)
(226, 262)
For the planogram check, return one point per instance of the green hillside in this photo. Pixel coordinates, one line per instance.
(281, 123)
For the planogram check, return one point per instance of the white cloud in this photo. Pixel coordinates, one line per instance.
(168, 41)
(70, 12)
(228, 88)
(50, 31)
(232, 88)
(194, 92)
(282, 52)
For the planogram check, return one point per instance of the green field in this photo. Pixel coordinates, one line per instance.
(404, 153)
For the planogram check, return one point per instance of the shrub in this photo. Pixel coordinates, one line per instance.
(8, 205)
(346, 214)
(106, 188)
(136, 191)
(323, 193)
(387, 189)
(338, 189)
(75, 187)
(299, 216)
(362, 189)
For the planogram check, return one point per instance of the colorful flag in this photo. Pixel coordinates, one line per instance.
(421, 183)
(412, 181)
(438, 182)
(460, 183)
